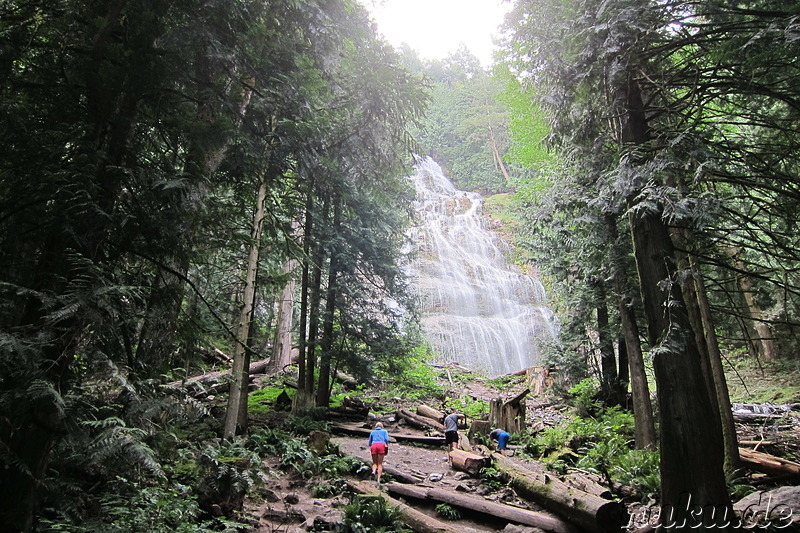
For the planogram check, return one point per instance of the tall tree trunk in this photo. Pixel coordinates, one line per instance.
(282, 340)
(498, 160)
(692, 474)
(731, 442)
(644, 426)
(301, 400)
(315, 299)
(608, 363)
(236, 414)
(326, 342)
(764, 339)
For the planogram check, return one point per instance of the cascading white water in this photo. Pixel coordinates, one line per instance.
(477, 309)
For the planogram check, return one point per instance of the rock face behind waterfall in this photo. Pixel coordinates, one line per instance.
(477, 309)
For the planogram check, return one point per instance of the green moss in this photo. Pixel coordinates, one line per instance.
(263, 400)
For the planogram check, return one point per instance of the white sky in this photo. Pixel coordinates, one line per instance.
(435, 28)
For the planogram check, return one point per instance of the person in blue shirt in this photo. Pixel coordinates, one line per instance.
(501, 436)
(378, 447)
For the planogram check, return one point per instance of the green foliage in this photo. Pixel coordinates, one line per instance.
(411, 378)
(476, 408)
(585, 397)
(129, 507)
(448, 512)
(305, 424)
(263, 400)
(492, 478)
(267, 441)
(599, 444)
(638, 469)
(372, 515)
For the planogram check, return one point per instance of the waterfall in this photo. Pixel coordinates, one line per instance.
(477, 309)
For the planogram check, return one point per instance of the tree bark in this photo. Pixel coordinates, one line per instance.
(468, 462)
(282, 341)
(483, 506)
(692, 473)
(332, 292)
(586, 510)
(430, 412)
(769, 464)
(729, 436)
(691, 446)
(301, 398)
(421, 422)
(508, 415)
(236, 414)
(608, 364)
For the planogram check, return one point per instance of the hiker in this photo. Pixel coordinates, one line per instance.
(501, 436)
(378, 447)
(451, 429)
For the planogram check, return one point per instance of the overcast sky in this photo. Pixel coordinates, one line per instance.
(434, 28)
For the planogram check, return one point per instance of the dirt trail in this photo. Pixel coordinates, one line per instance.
(291, 508)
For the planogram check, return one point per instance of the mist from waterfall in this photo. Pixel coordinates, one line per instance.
(477, 308)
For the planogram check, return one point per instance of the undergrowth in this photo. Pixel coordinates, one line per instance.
(597, 440)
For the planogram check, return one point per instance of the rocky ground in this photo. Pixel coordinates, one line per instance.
(287, 505)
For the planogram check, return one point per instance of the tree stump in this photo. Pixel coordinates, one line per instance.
(509, 415)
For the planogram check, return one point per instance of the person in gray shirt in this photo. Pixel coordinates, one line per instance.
(451, 429)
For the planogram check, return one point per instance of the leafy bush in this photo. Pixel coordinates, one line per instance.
(638, 469)
(585, 398)
(372, 515)
(471, 407)
(448, 512)
(128, 507)
(303, 425)
(600, 444)
(411, 378)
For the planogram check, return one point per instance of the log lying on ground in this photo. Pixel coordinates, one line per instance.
(588, 511)
(416, 520)
(769, 464)
(350, 429)
(421, 422)
(755, 418)
(481, 505)
(430, 412)
(257, 367)
(468, 462)
(586, 483)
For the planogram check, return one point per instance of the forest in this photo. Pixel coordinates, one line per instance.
(192, 187)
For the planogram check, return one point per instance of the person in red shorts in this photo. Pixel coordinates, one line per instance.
(378, 447)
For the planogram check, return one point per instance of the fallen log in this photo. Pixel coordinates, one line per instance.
(256, 367)
(588, 511)
(430, 412)
(755, 418)
(769, 464)
(481, 505)
(583, 482)
(350, 429)
(420, 422)
(468, 462)
(416, 520)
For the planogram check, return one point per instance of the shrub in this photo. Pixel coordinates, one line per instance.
(372, 515)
